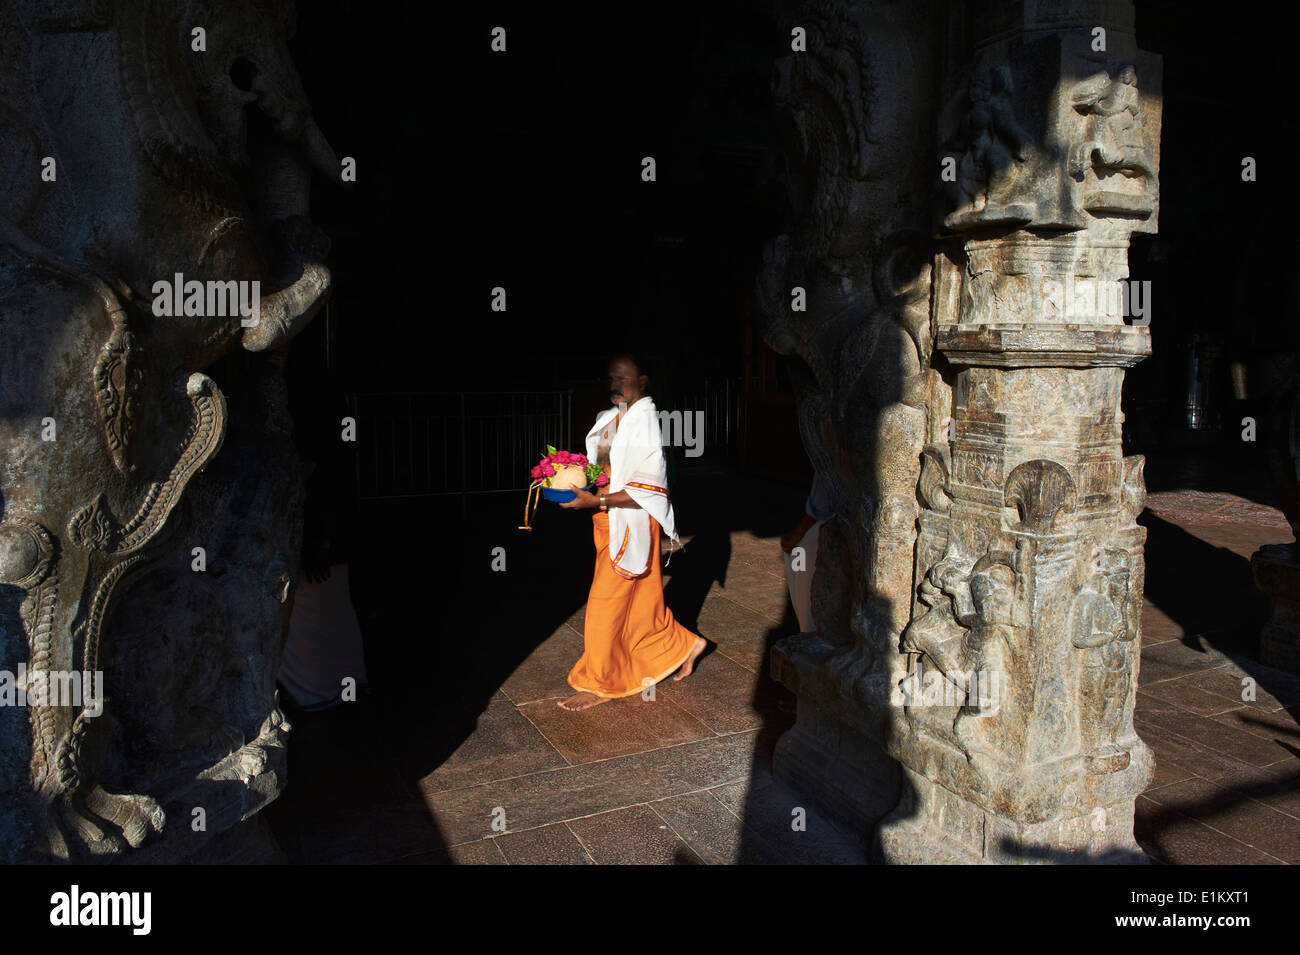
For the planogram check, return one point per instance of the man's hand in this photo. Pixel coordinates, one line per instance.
(582, 500)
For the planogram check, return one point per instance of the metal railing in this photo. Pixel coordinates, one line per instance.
(425, 444)
(415, 444)
(717, 399)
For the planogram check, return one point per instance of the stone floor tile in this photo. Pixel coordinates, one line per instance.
(483, 852)
(504, 743)
(544, 674)
(1206, 763)
(1277, 786)
(720, 694)
(741, 634)
(759, 595)
(1191, 699)
(1226, 681)
(707, 826)
(1170, 770)
(1170, 837)
(1228, 740)
(1157, 671)
(1158, 626)
(1149, 704)
(577, 620)
(1280, 725)
(548, 845)
(1235, 814)
(771, 812)
(1200, 655)
(632, 836)
(616, 728)
(559, 795)
(734, 795)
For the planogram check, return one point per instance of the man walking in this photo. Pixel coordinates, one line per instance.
(631, 639)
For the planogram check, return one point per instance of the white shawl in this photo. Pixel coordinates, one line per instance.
(636, 464)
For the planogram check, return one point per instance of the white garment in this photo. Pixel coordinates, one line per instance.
(800, 581)
(324, 643)
(636, 465)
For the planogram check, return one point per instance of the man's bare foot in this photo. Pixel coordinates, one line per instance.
(582, 701)
(689, 666)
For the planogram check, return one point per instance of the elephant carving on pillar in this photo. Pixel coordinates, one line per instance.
(176, 161)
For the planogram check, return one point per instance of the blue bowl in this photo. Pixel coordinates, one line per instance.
(561, 497)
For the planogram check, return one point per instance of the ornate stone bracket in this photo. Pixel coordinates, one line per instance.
(71, 789)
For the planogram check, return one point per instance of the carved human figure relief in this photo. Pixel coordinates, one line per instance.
(1114, 157)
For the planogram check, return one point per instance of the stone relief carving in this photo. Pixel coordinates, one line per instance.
(1116, 142)
(995, 152)
(151, 148)
(1042, 493)
(1100, 622)
(977, 628)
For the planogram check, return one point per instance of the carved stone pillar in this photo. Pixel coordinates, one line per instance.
(1030, 570)
(993, 690)
(847, 290)
(150, 492)
(1276, 568)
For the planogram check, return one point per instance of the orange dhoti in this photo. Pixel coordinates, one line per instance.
(631, 639)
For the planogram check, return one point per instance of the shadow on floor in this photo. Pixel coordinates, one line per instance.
(444, 631)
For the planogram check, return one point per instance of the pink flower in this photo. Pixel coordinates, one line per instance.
(580, 460)
(563, 457)
(536, 472)
(602, 480)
